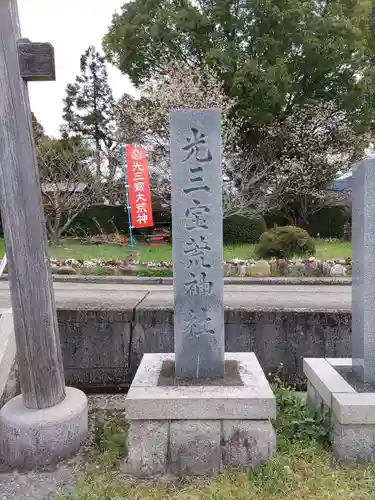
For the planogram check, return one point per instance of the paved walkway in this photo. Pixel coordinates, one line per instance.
(251, 296)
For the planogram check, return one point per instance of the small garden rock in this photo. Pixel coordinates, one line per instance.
(89, 264)
(260, 269)
(283, 266)
(243, 270)
(64, 270)
(338, 270)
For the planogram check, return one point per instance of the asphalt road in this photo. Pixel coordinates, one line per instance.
(318, 297)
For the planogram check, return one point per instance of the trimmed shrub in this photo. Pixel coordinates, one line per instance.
(238, 229)
(285, 242)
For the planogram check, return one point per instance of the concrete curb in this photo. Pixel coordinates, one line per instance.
(7, 355)
(134, 280)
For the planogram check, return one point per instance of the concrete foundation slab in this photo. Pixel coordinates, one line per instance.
(198, 429)
(253, 400)
(35, 438)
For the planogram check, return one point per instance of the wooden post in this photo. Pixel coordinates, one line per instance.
(34, 311)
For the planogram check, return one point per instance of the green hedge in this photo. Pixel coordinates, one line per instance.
(243, 230)
(237, 229)
(327, 223)
(110, 219)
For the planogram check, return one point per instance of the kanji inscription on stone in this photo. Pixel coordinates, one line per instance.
(195, 143)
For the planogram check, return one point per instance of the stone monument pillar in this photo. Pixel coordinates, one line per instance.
(197, 243)
(363, 284)
(200, 409)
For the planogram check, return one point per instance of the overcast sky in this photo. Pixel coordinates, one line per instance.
(71, 26)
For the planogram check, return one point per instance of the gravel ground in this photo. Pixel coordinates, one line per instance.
(46, 484)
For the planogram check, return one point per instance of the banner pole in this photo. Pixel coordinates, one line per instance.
(123, 158)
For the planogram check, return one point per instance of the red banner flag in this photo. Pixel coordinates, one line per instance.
(139, 187)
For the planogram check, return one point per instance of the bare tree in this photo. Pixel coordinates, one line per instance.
(146, 121)
(69, 183)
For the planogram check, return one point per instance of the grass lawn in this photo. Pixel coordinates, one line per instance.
(303, 469)
(73, 249)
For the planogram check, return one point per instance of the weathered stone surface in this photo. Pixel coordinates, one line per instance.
(95, 345)
(363, 287)
(353, 443)
(147, 448)
(82, 350)
(253, 400)
(276, 336)
(247, 443)
(196, 170)
(36, 438)
(195, 447)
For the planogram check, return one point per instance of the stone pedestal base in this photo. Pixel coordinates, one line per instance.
(198, 430)
(35, 438)
(352, 413)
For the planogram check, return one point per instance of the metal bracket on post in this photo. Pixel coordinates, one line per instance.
(36, 61)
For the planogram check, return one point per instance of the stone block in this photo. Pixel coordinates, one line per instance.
(354, 408)
(239, 337)
(270, 345)
(35, 438)
(81, 340)
(247, 443)
(338, 340)
(152, 328)
(314, 400)
(98, 378)
(325, 379)
(147, 448)
(341, 363)
(353, 443)
(253, 400)
(195, 447)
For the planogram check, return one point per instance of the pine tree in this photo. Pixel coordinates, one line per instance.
(38, 130)
(89, 106)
